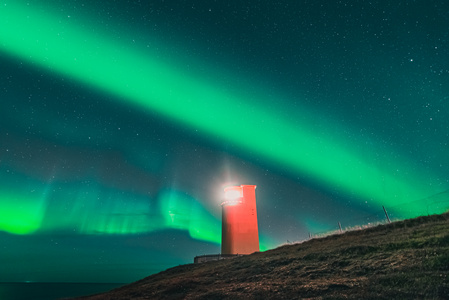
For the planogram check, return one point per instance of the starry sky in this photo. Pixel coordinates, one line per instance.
(122, 121)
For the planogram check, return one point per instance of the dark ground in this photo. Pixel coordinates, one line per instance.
(403, 260)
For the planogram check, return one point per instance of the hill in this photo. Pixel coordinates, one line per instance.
(402, 260)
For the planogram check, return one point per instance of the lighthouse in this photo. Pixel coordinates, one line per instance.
(240, 234)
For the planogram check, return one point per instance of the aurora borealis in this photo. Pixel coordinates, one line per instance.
(121, 123)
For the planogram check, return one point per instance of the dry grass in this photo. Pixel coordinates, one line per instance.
(402, 260)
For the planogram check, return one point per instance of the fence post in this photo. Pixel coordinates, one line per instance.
(385, 211)
(339, 225)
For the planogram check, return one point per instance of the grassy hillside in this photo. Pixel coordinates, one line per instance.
(403, 260)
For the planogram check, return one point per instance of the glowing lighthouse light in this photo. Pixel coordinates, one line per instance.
(240, 233)
(233, 196)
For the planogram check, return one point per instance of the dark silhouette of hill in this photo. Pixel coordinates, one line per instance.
(403, 260)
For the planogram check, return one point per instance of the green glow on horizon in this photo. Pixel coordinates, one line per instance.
(266, 243)
(20, 214)
(98, 210)
(315, 226)
(93, 209)
(183, 212)
(264, 130)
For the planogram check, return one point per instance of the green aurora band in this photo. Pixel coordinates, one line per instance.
(258, 127)
(20, 219)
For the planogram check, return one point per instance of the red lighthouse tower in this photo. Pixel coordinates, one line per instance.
(240, 234)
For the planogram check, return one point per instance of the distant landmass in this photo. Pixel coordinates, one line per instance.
(402, 260)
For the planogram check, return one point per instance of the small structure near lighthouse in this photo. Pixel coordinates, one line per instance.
(240, 234)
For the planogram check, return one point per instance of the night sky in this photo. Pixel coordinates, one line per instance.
(122, 121)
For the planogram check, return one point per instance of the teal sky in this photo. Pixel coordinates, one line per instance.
(122, 122)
